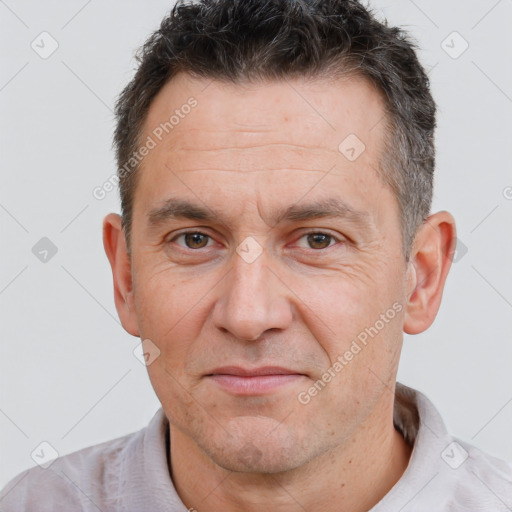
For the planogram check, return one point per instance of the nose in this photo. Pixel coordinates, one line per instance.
(253, 300)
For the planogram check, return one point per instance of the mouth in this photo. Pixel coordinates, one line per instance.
(253, 381)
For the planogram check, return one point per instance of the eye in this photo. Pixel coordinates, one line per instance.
(315, 240)
(318, 240)
(193, 239)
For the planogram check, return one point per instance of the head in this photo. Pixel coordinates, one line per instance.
(279, 40)
(275, 163)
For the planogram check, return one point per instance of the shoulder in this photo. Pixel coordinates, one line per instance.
(458, 477)
(78, 481)
(467, 477)
(444, 473)
(478, 478)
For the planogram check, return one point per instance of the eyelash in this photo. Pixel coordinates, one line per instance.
(315, 232)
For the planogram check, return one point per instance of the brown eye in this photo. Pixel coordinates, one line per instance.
(319, 240)
(195, 240)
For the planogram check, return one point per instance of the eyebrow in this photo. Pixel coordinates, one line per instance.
(177, 208)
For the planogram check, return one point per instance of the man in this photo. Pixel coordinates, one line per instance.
(276, 164)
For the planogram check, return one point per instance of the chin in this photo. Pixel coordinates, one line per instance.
(251, 444)
(251, 458)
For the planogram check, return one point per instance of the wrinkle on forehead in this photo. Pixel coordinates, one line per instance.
(270, 144)
(232, 115)
(252, 139)
(215, 147)
(253, 158)
(249, 171)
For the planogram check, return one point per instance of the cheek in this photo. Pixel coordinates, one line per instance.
(339, 306)
(358, 324)
(169, 310)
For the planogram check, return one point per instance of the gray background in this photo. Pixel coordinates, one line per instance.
(68, 373)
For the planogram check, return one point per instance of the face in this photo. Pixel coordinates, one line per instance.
(263, 237)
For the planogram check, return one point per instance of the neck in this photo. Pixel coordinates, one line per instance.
(353, 477)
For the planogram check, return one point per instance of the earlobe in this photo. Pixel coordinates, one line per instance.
(431, 259)
(115, 248)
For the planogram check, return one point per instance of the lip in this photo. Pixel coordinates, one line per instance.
(253, 372)
(253, 381)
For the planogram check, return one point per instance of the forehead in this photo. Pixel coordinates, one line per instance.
(215, 140)
(317, 113)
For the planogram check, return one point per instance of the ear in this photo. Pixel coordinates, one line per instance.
(430, 261)
(115, 246)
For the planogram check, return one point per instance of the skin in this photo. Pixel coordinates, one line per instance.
(245, 151)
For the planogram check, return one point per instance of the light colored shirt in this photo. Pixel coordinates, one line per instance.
(131, 473)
